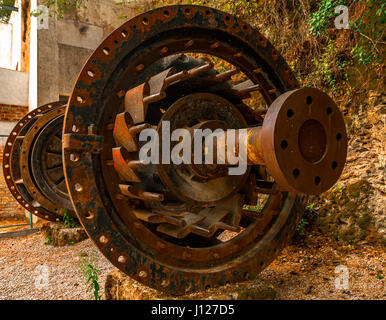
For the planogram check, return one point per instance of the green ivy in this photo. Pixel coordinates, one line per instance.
(68, 221)
(5, 14)
(58, 7)
(323, 18)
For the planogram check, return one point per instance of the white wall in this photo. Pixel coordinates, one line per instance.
(5, 45)
(33, 69)
(10, 41)
(15, 21)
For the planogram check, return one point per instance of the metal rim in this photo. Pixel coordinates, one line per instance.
(119, 239)
(12, 169)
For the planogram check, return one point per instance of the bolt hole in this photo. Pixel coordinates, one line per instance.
(334, 165)
(166, 14)
(207, 287)
(187, 11)
(290, 113)
(143, 274)
(121, 259)
(89, 215)
(103, 239)
(74, 157)
(339, 136)
(78, 187)
(145, 21)
(207, 12)
(246, 276)
(284, 144)
(80, 99)
(329, 111)
(75, 128)
(124, 33)
(317, 181)
(296, 173)
(309, 100)
(165, 283)
(227, 18)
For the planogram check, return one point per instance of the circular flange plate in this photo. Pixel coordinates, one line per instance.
(304, 141)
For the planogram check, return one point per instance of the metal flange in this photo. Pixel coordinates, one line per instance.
(31, 154)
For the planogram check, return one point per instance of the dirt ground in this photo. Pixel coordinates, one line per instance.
(304, 270)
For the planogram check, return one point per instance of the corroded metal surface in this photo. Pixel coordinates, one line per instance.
(304, 141)
(141, 217)
(33, 163)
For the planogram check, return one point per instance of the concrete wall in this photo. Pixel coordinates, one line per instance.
(65, 46)
(13, 87)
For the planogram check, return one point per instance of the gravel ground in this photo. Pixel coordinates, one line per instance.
(311, 269)
(302, 271)
(19, 258)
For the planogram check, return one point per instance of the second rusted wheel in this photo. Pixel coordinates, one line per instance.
(33, 165)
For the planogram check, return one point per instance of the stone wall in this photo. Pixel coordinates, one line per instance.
(354, 209)
(13, 87)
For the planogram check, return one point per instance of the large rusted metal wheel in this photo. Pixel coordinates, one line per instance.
(179, 228)
(32, 164)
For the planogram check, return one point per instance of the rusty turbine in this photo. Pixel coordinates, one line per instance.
(180, 227)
